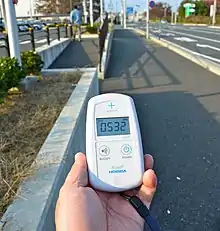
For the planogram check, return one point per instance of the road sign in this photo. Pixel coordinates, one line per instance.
(130, 10)
(152, 4)
(189, 5)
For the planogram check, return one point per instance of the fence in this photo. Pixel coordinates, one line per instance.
(57, 33)
(103, 31)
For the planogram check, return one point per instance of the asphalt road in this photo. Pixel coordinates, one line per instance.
(199, 39)
(40, 40)
(178, 106)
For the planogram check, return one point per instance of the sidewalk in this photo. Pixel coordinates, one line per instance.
(78, 55)
(178, 106)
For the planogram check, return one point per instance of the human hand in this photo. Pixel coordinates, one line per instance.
(81, 208)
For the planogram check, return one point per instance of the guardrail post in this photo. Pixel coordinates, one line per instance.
(66, 31)
(7, 44)
(32, 38)
(48, 35)
(58, 32)
(71, 30)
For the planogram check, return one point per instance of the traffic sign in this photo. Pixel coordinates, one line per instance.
(192, 10)
(130, 10)
(152, 4)
(189, 5)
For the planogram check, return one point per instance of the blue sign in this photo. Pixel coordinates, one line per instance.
(130, 10)
(152, 4)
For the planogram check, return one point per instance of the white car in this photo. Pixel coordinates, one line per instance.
(163, 21)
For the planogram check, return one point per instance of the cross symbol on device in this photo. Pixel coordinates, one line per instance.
(111, 105)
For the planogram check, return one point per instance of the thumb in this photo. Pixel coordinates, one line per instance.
(78, 174)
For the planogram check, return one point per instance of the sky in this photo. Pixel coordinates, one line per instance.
(142, 3)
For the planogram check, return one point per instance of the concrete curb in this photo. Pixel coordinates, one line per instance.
(33, 209)
(106, 55)
(186, 53)
(46, 72)
(51, 52)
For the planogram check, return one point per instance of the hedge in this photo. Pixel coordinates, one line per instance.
(11, 72)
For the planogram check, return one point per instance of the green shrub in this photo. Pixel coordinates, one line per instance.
(31, 62)
(10, 73)
(91, 29)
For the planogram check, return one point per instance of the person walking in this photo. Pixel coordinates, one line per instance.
(76, 21)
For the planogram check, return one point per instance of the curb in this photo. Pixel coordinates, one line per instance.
(106, 55)
(186, 53)
(34, 210)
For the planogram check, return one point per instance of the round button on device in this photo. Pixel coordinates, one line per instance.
(104, 150)
(126, 149)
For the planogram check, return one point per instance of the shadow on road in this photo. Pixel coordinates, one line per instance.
(129, 57)
(84, 54)
(184, 140)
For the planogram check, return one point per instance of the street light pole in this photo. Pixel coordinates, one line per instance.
(214, 12)
(147, 20)
(12, 30)
(124, 13)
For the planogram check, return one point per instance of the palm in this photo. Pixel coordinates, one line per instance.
(119, 213)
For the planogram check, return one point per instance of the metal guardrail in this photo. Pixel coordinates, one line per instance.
(103, 31)
(47, 33)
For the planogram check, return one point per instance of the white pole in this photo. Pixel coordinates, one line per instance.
(85, 11)
(214, 12)
(101, 10)
(91, 12)
(172, 14)
(4, 14)
(175, 20)
(124, 13)
(147, 20)
(12, 30)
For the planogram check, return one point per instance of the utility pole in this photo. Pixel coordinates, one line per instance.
(147, 19)
(91, 12)
(12, 30)
(124, 13)
(71, 5)
(175, 17)
(214, 12)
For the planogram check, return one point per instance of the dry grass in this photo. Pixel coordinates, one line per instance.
(25, 121)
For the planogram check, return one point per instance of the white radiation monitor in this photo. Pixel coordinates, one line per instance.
(113, 143)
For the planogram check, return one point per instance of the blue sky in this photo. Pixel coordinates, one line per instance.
(142, 3)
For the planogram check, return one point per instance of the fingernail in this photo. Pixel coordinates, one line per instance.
(77, 156)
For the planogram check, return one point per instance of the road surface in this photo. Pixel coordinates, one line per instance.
(178, 106)
(40, 40)
(200, 39)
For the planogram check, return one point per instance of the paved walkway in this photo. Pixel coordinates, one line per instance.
(84, 54)
(178, 105)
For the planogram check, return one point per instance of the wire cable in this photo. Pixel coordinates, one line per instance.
(143, 211)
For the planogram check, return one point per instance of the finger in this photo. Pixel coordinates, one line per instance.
(78, 174)
(148, 162)
(148, 188)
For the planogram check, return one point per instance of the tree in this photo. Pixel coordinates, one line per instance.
(158, 10)
(53, 6)
(201, 8)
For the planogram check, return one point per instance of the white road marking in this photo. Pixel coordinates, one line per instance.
(185, 39)
(194, 36)
(41, 41)
(208, 46)
(24, 42)
(2, 43)
(198, 30)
